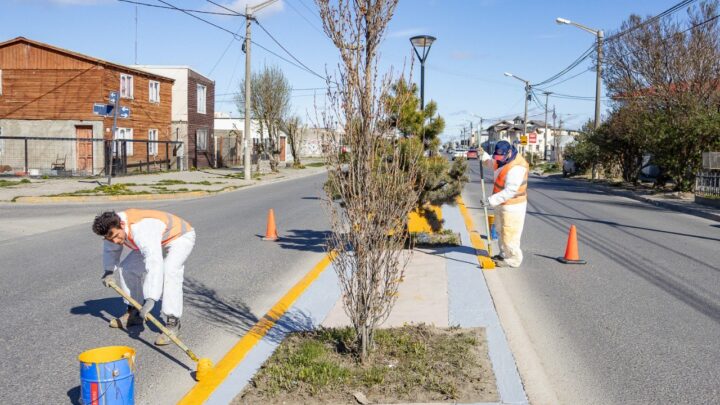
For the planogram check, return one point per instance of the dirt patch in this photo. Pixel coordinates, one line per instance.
(414, 363)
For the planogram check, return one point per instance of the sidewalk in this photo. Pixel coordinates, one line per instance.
(443, 287)
(161, 185)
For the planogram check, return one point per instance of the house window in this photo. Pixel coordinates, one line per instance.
(153, 146)
(201, 97)
(126, 86)
(202, 135)
(124, 134)
(154, 91)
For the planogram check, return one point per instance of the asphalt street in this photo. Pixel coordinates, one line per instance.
(53, 305)
(640, 323)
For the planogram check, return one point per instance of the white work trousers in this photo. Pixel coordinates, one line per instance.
(509, 222)
(133, 275)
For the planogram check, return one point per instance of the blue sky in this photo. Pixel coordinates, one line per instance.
(477, 41)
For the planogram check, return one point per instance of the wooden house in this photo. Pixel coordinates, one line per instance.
(50, 92)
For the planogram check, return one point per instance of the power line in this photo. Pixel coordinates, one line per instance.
(289, 3)
(288, 52)
(240, 37)
(237, 13)
(138, 3)
(570, 67)
(650, 20)
(232, 40)
(565, 80)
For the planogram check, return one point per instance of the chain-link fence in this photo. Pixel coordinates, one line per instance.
(48, 156)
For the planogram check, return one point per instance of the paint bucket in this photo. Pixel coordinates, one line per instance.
(493, 232)
(106, 376)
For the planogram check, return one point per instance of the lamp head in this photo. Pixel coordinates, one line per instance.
(508, 74)
(561, 20)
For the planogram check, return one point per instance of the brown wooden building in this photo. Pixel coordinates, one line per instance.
(49, 92)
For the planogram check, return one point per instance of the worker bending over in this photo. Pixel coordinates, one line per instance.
(509, 199)
(160, 243)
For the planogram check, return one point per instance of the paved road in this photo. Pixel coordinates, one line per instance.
(640, 323)
(53, 306)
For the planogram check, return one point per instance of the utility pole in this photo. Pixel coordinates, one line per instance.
(545, 141)
(248, 93)
(471, 134)
(248, 115)
(555, 137)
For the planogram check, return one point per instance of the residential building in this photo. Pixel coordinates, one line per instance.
(228, 128)
(50, 92)
(193, 113)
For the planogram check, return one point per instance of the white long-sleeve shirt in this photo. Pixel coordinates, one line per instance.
(513, 180)
(147, 235)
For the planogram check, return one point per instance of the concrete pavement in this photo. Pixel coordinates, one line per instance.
(639, 324)
(53, 305)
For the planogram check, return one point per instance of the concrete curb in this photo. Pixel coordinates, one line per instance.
(152, 197)
(471, 305)
(698, 212)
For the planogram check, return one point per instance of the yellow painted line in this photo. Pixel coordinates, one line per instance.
(203, 389)
(485, 262)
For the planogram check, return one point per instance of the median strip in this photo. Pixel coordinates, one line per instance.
(202, 390)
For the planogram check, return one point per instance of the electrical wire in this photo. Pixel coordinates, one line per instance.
(289, 3)
(139, 3)
(232, 40)
(650, 20)
(240, 37)
(288, 52)
(237, 13)
(570, 67)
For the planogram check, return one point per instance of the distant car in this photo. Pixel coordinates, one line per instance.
(459, 153)
(568, 167)
(472, 153)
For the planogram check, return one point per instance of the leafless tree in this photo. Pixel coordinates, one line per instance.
(373, 177)
(270, 103)
(668, 73)
(295, 134)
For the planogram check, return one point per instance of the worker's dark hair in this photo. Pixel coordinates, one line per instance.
(105, 222)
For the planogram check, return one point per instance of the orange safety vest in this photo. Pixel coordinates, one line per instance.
(521, 195)
(175, 226)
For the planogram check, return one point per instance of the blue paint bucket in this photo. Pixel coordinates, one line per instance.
(493, 232)
(107, 376)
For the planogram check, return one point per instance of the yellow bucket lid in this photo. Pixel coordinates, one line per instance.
(106, 354)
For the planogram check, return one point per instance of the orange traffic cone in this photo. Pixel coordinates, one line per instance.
(271, 232)
(571, 251)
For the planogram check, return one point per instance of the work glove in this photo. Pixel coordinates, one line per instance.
(146, 308)
(485, 203)
(107, 278)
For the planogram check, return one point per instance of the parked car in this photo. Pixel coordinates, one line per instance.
(472, 153)
(568, 167)
(459, 153)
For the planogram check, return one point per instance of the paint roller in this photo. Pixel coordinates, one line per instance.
(204, 365)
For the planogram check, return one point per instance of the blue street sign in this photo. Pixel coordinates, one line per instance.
(124, 112)
(113, 97)
(102, 109)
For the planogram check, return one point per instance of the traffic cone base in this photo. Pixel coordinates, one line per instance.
(271, 231)
(571, 251)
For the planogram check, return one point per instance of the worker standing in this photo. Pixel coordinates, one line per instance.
(160, 243)
(509, 200)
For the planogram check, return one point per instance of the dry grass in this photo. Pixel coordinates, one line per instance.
(416, 363)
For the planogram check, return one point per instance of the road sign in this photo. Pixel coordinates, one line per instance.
(102, 109)
(124, 112)
(113, 97)
(533, 137)
(523, 140)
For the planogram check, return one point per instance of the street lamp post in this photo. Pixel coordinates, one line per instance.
(528, 88)
(599, 35)
(424, 43)
(598, 83)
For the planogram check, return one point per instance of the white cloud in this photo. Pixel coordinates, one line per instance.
(239, 6)
(406, 33)
(460, 55)
(79, 2)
